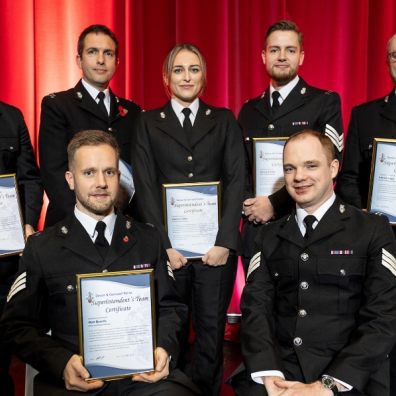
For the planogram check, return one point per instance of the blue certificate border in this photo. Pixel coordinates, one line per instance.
(372, 209)
(208, 188)
(9, 181)
(140, 278)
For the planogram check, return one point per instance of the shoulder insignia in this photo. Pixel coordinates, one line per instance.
(52, 95)
(303, 90)
(386, 99)
(18, 285)
(170, 271)
(388, 261)
(342, 208)
(254, 264)
(208, 111)
(162, 114)
(79, 95)
(335, 137)
(128, 224)
(64, 230)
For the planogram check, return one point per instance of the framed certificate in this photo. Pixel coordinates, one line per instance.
(191, 215)
(116, 321)
(268, 165)
(12, 236)
(382, 191)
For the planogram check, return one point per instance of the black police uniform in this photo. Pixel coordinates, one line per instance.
(63, 114)
(163, 153)
(43, 297)
(16, 156)
(305, 107)
(374, 119)
(323, 305)
(368, 121)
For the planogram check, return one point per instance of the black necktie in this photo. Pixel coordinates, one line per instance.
(101, 242)
(187, 122)
(101, 104)
(187, 126)
(309, 220)
(275, 101)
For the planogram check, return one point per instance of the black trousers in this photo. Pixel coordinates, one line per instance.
(177, 384)
(207, 290)
(8, 268)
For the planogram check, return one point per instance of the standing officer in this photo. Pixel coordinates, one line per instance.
(375, 119)
(91, 104)
(188, 141)
(43, 295)
(288, 105)
(369, 120)
(318, 309)
(16, 156)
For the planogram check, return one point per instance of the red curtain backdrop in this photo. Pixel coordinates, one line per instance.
(345, 44)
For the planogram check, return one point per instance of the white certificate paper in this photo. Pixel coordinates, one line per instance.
(192, 217)
(382, 197)
(268, 165)
(12, 240)
(116, 319)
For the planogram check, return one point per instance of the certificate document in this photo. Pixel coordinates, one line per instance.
(116, 323)
(382, 192)
(12, 238)
(268, 165)
(191, 214)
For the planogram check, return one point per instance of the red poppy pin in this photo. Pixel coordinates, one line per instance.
(126, 238)
(122, 111)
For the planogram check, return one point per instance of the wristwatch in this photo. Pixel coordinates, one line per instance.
(329, 383)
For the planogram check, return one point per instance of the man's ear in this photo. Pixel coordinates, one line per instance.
(70, 179)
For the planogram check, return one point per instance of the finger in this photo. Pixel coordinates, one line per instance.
(249, 201)
(161, 362)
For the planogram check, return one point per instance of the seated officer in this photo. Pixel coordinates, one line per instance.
(43, 295)
(318, 309)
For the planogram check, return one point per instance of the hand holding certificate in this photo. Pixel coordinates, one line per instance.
(12, 240)
(382, 193)
(192, 216)
(116, 312)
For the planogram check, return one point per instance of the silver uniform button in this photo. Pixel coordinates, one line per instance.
(189, 158)
(105, 270)
(297, 341)
(304, 256)
(110, 129)
(342, 272)
(276, 275)
(302, 313)
(69, 288)
(190, 175)
(271, 127)
(11, 147)
(304, 285)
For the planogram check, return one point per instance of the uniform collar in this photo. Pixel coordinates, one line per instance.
(177, 108)
(94, 91)
(89, 224)
(319, 213)
(286, 89)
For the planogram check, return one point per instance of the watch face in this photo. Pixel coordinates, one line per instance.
(328, 382)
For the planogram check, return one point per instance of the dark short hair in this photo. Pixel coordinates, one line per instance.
(91, 137)
(170, 60)
(96, 29)
(285, 25)
(327, 144)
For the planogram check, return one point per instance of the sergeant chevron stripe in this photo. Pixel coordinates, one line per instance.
(18, 285)
(332, 134)
(170, 272)
(254, 263)
(388, 261)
